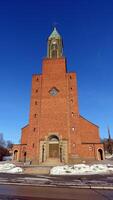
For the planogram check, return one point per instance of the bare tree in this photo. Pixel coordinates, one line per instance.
(2, 141)
(3, 150)
(9, 144)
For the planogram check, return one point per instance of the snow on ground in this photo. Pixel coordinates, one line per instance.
(81, 169)
(9, 168)
(108, 156)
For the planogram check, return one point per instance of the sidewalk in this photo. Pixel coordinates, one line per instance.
(84, 182)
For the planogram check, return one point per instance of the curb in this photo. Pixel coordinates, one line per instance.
(61, 186)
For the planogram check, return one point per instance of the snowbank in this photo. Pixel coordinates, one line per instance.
(9, 168)
(81, 169)
(108, 156)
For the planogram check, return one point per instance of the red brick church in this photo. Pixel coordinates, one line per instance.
(56, 131)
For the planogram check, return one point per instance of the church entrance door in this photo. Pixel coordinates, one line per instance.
(54, 150)
(53, 147)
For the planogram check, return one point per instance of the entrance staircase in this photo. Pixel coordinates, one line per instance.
(51, 162)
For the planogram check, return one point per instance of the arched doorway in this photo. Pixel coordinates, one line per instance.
(15, 154)
(100, 154)
(53, 146)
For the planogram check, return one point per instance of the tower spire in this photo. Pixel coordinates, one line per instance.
(55, 45)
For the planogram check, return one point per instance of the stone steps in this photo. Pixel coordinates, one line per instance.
(51, 162)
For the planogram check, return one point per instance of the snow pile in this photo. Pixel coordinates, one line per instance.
(9, 168)
(81, 169)
(108, 156)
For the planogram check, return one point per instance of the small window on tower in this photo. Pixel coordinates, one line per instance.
(35, 115)
(71, 88)
(33, 145)
(74, 145)
(34, 129)
(70, 77)
(35, 102)
(73, 129)
(90, 148)
(71, 100)
(37, 79)
(72, 114)
(36, 91)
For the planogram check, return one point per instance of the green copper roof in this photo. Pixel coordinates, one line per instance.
(55, 34)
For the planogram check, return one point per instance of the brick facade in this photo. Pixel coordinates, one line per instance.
(56, 130)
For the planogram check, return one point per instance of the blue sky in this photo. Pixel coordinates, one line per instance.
(87, 30)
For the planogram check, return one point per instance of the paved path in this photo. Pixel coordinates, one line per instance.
(47, 193)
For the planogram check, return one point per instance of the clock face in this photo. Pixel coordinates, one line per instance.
(54, 91)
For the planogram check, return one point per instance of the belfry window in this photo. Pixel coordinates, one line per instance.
(54, 53)
(54, 49)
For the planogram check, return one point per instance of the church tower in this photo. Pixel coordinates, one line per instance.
(55, 45)
(56, 132)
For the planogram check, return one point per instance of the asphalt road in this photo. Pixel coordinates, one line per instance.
(89, 181)
(45, 187)
(12, 192)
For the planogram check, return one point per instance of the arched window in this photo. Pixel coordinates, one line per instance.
(54, 53)
(53, 138)
(54, 48)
